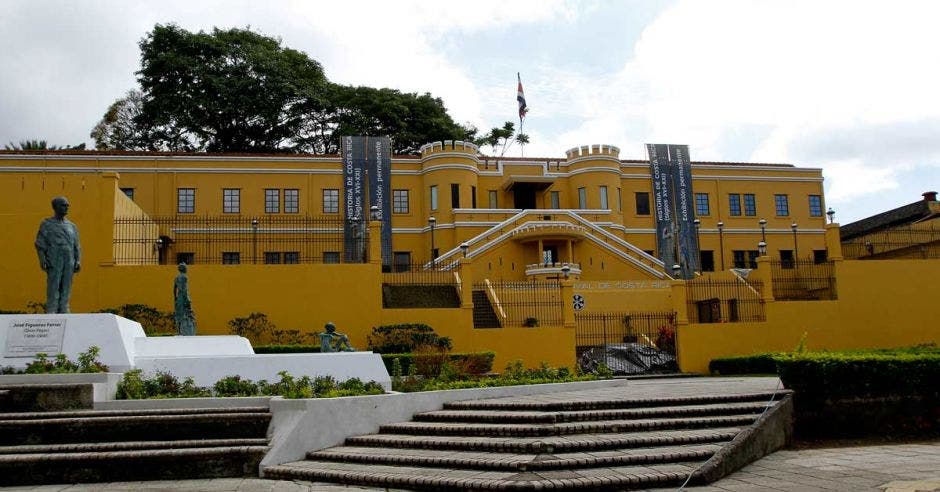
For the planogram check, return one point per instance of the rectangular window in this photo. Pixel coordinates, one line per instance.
(187, 258)
(745, 258)
(231, 200)
(473, 197)
(434, 197)
(734, 204)
(493, 197)
(786, 258)
(401, 261)
(291, 201)
(619, 200)
(231, 258)
(129, 192)
(272, 257)
(454, 195)
(272, 201)
(555, 198)
(820, 256)
(782, 205)
(642, 203)
(331, 201)
(750, 205)
(185, 200)
(815, 206)
(582, 198)
(400, 201)
(707, 258)
(603, 195)
(331, 257)
(701, 204)
(291, 257)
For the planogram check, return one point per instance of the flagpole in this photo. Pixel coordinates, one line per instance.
(521, 117)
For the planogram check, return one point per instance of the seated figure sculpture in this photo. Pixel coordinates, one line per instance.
(334, 341)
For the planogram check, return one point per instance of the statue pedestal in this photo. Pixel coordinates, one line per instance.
(206, 359)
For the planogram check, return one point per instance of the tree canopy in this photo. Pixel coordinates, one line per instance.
(239, 91)
(36, 144)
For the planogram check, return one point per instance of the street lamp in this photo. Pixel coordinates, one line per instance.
(431, 222)
(762, 248)
(565, 270)
(254, 240)
(763, 229)
(464, 247)
(675, 270)
(721, 243)
(831, 214)
(374, 212)
(796, 252)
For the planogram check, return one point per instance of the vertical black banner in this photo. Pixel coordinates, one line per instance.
(661, 175)
(354, 158)
(686, 237)
(379, 166)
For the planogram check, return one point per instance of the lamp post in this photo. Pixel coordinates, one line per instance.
(374, 212)
(698, 242)
(796, 252)
(721, 243)
(254, 240)
(431, 222)
(831, 214)
(763, 229)
(675, 270)
(762, 248)
(464, 247)
(565, 270)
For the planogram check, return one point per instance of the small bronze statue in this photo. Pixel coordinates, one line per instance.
(182, 305)
(59, 255)
(334, 341)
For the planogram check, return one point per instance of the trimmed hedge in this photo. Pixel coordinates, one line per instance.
(821, 376)
(475, 363)
(745, 364)
(287, 349)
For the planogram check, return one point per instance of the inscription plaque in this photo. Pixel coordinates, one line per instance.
(29, 337)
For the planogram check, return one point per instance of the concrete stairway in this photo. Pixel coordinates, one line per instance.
(483, 314)
(131, 445)
(559, 445)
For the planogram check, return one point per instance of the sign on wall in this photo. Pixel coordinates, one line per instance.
(354, 158)
(26, 338)
(379, 169)
(676, 238)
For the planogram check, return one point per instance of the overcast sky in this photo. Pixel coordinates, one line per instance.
(851, 87)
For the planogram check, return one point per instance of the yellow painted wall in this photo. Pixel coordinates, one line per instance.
(890, 303)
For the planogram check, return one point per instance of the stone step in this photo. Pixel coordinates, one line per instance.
(553, 444)
(601, 403)
(47, 397)
(417, 478)
(152, 427)
(515, 462)
(130, 412)
(565, 428)
(525, 416)
(116, 466)
(128, 446)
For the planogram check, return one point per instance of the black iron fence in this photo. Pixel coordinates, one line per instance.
(237, 240)
(627, 342)
(522, 303)
(918, 241)
(803, 280)
(725, 301)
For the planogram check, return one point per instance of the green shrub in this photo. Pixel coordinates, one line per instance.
(821, 376)
(256, 327)
(131, 386)
(405, 338)
(746, 364)
(153, 321)
(287, 349)
(474, 363)
(88, 362)
(235, 386)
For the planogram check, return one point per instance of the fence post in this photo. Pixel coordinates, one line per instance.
(466, 284)
(375, 242)
(764, 274)
(833, 242)
(567, 302)
(680, 302)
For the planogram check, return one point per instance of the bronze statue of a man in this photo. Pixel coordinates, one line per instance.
(59, 255)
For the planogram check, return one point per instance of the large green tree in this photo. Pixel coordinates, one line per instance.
(239, 91)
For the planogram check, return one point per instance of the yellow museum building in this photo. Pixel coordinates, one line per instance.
(523, 256)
